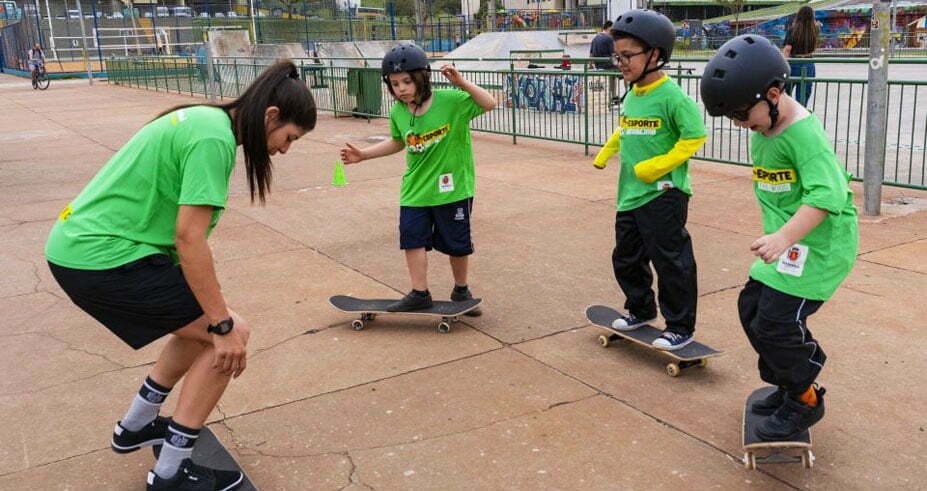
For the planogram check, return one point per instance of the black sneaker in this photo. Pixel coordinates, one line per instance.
(769, 404)
(463, 296)
(411, 302)
(791, 419)
(193, 477)
(125, 441)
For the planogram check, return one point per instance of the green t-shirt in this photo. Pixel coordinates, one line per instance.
(439, 153)
(651, 124)
(798, 167)
(129, 209)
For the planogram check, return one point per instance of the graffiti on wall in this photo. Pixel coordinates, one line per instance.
(545, 92)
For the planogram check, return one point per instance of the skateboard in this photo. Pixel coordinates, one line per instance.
(693, 354)
(775, 452)
(369, 309)
(210, 452)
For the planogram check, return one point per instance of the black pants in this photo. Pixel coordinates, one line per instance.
(656, 233)
(775, 325)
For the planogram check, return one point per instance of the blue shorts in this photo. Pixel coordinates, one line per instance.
(445, 228)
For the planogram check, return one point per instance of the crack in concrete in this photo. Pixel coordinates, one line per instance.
(899, 268)
(71, 347)
(353, 478)
(343, 389)
(416, 441)
(651, 416)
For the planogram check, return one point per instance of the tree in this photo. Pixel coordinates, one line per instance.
(735, 7)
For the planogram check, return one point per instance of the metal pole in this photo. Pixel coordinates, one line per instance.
(253, 23)
(51, 33)
(392, 20)
(876, 111)
(891, 30)
(83, 39)
(420, 23)
(210, 77)
(38, 24)
(96, 32)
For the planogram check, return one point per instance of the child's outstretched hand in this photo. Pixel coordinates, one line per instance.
(770, 247)
(452, 75)
(351, 155)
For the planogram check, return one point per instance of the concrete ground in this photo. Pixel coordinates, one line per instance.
(522, 397)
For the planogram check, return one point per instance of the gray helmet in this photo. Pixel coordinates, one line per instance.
(649, 26)
(404, 58)
(740, 72)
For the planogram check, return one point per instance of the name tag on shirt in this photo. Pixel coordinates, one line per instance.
(792, 261)
(445, 183)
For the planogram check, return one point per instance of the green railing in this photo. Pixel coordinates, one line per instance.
(566, 106)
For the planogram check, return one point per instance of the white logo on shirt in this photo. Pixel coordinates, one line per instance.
(445, 183)
(792, 261)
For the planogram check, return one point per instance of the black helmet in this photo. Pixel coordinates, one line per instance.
(740, 73)
(404, 58)
(649, 26)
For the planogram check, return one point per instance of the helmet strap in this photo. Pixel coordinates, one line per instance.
(773, 112)
(643, 74)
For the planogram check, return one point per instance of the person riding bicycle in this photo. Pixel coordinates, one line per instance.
(36, 62)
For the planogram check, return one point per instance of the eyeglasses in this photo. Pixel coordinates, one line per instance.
(741, 114)
(626, 58)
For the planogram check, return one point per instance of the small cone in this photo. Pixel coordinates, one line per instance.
(338, 178)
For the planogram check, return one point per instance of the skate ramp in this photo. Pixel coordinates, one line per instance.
(355, 49)
(549, 44)
(225, 42)
(276, 51)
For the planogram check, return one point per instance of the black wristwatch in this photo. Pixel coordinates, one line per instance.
(222, 327)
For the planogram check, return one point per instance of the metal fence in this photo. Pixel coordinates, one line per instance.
(573, 106)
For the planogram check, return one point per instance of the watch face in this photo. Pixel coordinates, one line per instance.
(223, 327)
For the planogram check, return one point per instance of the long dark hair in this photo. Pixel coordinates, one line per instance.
(422, 79)
(804, 31)
(279, 86)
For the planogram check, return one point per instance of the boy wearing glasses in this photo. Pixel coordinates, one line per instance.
(809, 224)
(660, 128)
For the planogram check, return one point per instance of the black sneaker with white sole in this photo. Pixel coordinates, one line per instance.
(194, 477)
(125, 441)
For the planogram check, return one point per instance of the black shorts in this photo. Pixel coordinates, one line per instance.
(443, 227)
(139, 302)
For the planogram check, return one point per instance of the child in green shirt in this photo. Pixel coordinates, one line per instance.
(659, 130)
(436, 198)
(809, 224)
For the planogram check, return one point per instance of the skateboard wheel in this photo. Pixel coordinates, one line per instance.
(358, 325)
(807, 459)
(703, 362)
(603, 340)
(672, 370)
(750, 461)
(444, 328)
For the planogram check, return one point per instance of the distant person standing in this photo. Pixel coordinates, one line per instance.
(603, 46)
(801, 40)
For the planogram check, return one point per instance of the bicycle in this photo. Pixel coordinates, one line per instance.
(40, 78)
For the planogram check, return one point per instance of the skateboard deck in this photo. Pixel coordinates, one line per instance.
(210, 452)
(370, 308)
(795, 451)
(693, 354)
